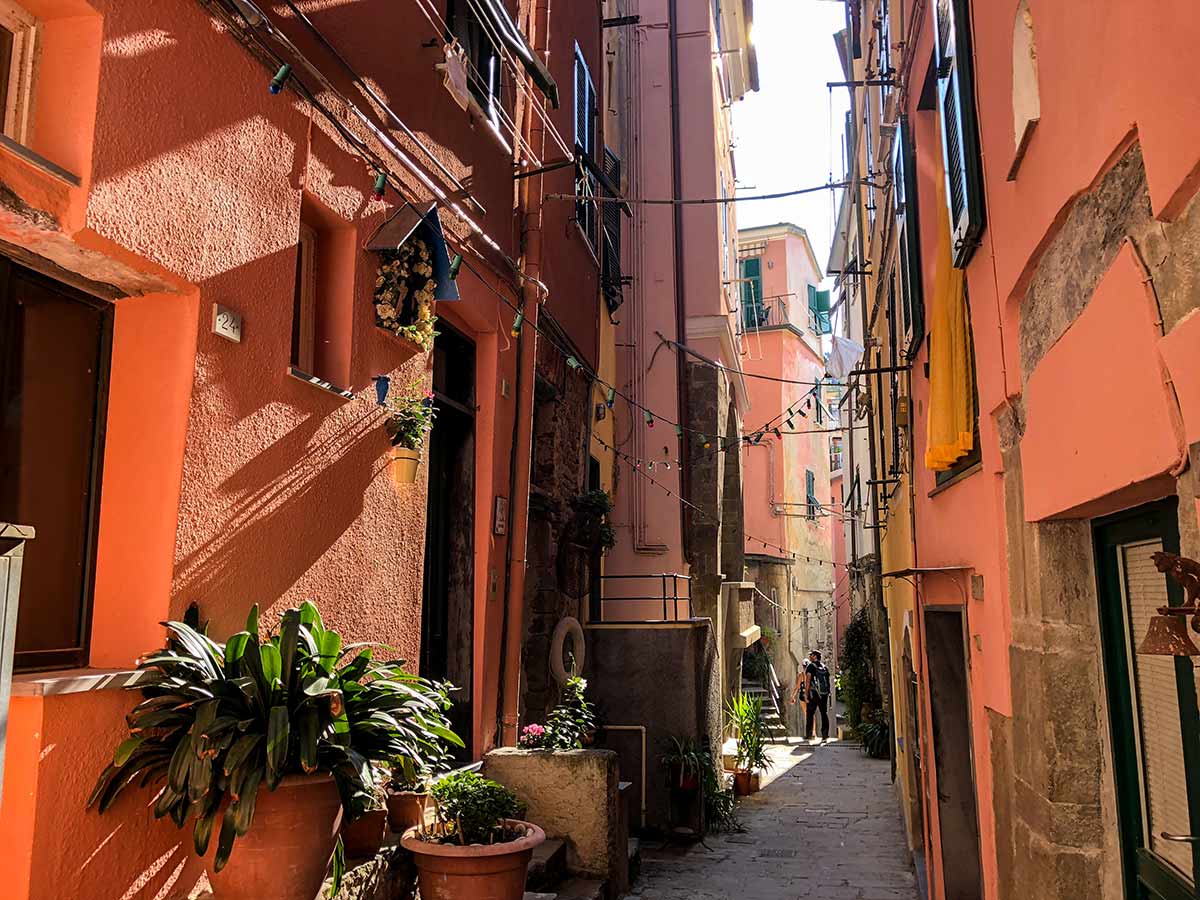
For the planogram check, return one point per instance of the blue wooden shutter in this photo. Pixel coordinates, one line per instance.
(960, 129)
(610, 219)
(908, 239)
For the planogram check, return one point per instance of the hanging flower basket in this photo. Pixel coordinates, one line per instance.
(410, 417)
(403, 465)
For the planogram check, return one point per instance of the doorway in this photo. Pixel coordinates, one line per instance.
(1152, 708)
(950, 720)
(448, 603)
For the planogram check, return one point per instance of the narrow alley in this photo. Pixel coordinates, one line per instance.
(824, 826)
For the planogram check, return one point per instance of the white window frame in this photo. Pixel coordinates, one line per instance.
(26, 31)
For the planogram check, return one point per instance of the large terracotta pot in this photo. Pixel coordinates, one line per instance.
(743, 783)
(403, 465)
(285, 853)
(405, 809)
(363, 837)
(476, 872)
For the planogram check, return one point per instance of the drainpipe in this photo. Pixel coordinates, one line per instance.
(677, 240)
(513, 611)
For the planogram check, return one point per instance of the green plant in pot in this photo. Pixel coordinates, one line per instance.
(685, 762)
(267, 743)
(745, 714)
(572, 723)
(477, 848)
(365, 818)
(408, 788)
(410, 417)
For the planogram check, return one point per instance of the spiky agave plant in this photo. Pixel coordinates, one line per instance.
(219, 721)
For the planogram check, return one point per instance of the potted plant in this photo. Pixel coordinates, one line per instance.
(478, 848)
(410, 417)
(745, 712)
(404, 288)
(535, 737)
(408, 789)
(685, 763)
(590, 526)
(364, 820)
(267, 741)
(572, 723)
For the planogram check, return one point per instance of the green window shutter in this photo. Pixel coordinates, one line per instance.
(585, 145)
(610, 220)
(753, 311)
(818, 308)
(960, 129)
(810, 489)
(908, 238)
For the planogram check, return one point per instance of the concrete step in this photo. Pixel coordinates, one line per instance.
(548, 866)
(581, 889)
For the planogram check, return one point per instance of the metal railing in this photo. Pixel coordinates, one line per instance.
(764, 313)
(662, 589)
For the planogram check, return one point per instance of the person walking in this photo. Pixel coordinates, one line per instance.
(813, 680)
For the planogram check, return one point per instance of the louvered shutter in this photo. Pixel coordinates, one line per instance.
(810, 489)
(582, 128)
(908, 239)
(960, 129)
(752, 292)
(610, 217)
(585, 145)
(885, 49)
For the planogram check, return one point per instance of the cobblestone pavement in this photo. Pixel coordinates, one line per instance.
(825, 826)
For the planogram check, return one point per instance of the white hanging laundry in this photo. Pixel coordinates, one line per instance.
(843, 357)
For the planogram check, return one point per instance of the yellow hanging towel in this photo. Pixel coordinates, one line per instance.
(951, 434)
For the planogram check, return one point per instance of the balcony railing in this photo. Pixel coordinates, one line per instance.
(764, 313)
(629, 599)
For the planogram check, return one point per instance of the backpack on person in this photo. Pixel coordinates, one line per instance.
(820, 681)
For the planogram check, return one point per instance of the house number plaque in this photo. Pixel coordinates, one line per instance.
(227, 323)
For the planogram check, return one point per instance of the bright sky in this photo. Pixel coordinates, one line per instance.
(784, 135)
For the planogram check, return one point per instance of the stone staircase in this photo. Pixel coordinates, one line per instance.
(777, 730)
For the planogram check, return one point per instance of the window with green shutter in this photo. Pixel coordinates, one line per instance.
(612, 280)
(585, 145)
(810, 489)
(960, 128)
(908, 240)
(754, 313)
(818, 310)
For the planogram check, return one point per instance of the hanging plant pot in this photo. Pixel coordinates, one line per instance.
(403, 465)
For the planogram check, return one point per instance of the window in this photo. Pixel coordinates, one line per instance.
(610, 218)
(883, 24)
(754, 313)
(54, 352)
(323, 295)
(483, 59)
(304, 302)
(820, 403)
(818, 310)
(960, 129)
(810, 490)
(835, 454)
(586, 117)
(1027, 104)
(908, 240)
(975, 456)
(18, 53)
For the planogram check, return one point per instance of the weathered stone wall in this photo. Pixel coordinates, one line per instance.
(556, 577)
(573, 795)
(1055, 806)
(708, 405)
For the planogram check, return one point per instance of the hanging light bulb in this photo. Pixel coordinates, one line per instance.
(518, 321)
(777, 433)
(382, 384)
(649, 419)
(572, 362)
(679, 431)
(455, 265)
(707, 442)
(650, 466)
(611, 398)
(380, 186)
(280, 77)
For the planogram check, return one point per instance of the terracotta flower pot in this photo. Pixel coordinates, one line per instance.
(403, 465)
(474, 872)
(684, 781)
(743, 783)
(405, 809)
(285, 853)
(363, 837)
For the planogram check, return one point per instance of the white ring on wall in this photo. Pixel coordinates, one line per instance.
(567, 625)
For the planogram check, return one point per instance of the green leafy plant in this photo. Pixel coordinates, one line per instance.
(856, 683)
(592, 511)
(876, 735)
(220, 721)
(685, 758)
(720, 802)
(574, 719)
(470, 809)
(756, 665)
(410, 416)
(745, 714)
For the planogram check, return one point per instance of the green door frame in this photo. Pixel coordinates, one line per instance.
(1145, 876)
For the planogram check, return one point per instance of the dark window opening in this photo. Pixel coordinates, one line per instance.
(483, 58)
(586, 117)
(55, 345)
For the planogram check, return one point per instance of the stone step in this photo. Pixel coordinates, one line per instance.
(548, 866)
(581, 889)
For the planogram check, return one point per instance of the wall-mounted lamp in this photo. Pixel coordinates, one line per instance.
(1168, 633)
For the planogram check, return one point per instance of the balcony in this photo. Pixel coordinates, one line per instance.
(640, 599)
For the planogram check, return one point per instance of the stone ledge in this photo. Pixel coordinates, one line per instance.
(72, 681)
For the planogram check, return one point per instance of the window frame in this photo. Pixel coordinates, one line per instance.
(464, 26)
(79, 655)
(752, 294)
(304, 301)
(587, 208)
(908, 239)
(25, 29)
(811, 501)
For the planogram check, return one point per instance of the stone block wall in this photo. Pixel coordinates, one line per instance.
(572, 794)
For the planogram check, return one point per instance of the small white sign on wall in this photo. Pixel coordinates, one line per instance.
(227, 323)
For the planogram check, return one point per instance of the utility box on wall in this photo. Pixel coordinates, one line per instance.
(12, 552)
